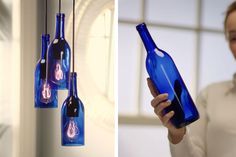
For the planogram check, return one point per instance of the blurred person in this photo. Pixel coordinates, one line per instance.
(214, 134)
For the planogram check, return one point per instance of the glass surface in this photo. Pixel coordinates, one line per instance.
(59, 57)
(166, 78)
(72, 117)
(45, 96)
(181, 12)
(180, 44)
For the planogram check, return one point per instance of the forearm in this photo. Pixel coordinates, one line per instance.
(186, 146)
(177, 136)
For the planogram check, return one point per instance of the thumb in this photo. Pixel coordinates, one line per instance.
(152, 88)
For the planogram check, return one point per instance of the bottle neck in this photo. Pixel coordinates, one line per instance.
(73, 86)
(45, 42)
(60, 25)
(146, 37)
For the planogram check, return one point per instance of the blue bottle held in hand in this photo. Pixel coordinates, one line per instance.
(166, 78)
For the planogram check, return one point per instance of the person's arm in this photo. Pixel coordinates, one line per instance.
(190, 143)
(159, 103)
(194, 141)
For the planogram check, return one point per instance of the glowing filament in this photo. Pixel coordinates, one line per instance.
(72, 129)
(46, 91)
(58, 72)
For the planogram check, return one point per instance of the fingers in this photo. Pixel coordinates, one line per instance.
(158, 99)
(152, 88)
(159, 108)
(159, 103)
(166, 118)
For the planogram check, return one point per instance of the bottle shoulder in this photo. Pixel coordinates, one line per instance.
(58, 41)
(69, 100)
(158, 54)
(58, 46)
(41, 62)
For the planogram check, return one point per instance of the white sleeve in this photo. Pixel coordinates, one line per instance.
(193, 143)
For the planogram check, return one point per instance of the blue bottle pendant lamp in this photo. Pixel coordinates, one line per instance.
(59, 56)
(44, 95)
(72, 117)
(72, 112)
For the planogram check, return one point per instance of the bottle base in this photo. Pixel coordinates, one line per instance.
(183, 124)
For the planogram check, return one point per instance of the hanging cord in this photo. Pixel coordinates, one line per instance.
(46, 16)
(46, 34)
(73, 39)
(59, 6)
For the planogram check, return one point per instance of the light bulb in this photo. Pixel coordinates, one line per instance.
(58, 73)
(72, 117)
(72, 129)
(46, 93)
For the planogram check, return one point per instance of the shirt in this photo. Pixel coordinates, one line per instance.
(214, 134)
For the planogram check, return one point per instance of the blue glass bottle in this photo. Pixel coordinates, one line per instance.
(72, 117)
(166, 78)
(59, 57)
(44, 95)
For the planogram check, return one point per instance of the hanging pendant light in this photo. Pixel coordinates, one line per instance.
(45, 96)
(72, 117)
(59, 56)
(72, 112)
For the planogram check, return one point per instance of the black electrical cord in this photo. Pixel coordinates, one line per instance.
(46, 36)
(59, 6)
(73, 39)
(46, 16)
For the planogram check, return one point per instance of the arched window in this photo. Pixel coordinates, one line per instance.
(94, 58)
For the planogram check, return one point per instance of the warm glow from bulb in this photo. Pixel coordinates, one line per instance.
(46, 91)
(72, 129)
(58, 73)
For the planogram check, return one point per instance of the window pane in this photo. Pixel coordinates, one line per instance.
(216, 60)
(130, 9)
(181, 46)
(172, 12)
(213, 13)
(99, 41)
(128, 55)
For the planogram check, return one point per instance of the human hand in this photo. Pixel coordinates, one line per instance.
(159, 103)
